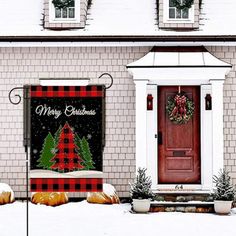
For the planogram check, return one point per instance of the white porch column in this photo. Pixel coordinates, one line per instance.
(217, 125)
(206, 140)
(141, 137)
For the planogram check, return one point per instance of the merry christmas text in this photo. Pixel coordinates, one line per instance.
(44, 110)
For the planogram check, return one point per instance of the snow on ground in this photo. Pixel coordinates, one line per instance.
(87, 219)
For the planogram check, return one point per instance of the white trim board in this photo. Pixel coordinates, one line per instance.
(64, 82)
(113, 44)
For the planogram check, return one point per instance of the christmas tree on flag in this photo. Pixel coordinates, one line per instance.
(86, 155)
(84, 151)
(46, 153)
(67, 157)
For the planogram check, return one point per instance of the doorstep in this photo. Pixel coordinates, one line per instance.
(190, 203)
(188, 207)
(184, 191)
(182, 200)
(182, 195)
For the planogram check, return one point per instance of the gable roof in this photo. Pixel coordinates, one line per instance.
(116, 18)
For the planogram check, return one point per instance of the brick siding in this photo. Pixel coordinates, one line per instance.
(228, 54)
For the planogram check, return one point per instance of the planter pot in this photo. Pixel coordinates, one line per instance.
(141, 205)
(222, 207)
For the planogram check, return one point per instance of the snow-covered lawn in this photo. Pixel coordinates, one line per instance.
(84, 219)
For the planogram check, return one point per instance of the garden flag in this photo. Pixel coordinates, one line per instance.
(67, 138)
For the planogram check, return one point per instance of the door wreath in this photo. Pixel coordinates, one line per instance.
(179, 108)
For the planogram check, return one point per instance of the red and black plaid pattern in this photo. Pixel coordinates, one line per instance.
(67, 157)
(67, 91)
(66, 184)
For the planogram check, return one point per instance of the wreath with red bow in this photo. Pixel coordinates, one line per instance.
(179, 108)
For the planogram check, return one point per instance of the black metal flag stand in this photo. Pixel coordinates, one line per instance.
(26, 138)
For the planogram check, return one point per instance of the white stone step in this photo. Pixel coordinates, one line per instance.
(181, 192)
(190, 203)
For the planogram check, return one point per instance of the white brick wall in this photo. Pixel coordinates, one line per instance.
(20, 66)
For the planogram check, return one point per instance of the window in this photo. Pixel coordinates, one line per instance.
(175, 13)
(69, 13)
(172, 17)
(65, 13)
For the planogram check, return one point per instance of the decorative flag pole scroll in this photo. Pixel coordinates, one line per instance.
(26, 138)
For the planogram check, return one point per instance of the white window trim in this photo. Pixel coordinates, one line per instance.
(166, 18)
(52, 18)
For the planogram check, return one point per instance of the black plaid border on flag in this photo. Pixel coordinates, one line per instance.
(67, 91)
(48, 113)
(66, 184)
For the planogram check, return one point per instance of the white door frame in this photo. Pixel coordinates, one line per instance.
(211, 80)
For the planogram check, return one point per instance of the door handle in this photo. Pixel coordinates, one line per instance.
(159, 137)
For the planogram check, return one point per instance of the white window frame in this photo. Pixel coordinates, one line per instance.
(53, 19)
(166, 18)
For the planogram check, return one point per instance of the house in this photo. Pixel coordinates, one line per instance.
(154, 50)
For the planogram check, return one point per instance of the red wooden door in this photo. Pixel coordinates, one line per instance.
(178, 144)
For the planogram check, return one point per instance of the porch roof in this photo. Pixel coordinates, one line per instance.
(178, 57)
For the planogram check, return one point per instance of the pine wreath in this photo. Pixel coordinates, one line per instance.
(62, 3)
(179, 108)
(184, 4)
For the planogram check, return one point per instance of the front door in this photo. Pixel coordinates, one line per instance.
(178, 141)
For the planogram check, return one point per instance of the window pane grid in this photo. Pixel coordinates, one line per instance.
(68, 12)
(175, 13)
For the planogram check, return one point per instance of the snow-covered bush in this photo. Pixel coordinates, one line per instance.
(6, 194)
(141, 188)
(224, 190)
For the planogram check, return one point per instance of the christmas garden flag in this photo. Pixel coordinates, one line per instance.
(67, 138)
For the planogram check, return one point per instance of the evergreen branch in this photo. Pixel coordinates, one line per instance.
(141, 188)
(63, 3)
(184, 4)
(224, 189)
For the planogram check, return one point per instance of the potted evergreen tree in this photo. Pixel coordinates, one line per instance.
(141, 192)
(223, 193)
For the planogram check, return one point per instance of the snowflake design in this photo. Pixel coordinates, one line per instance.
(89, 136)
(53, 150)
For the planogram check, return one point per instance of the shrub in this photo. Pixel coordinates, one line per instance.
(224, 190)
(141, 188)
